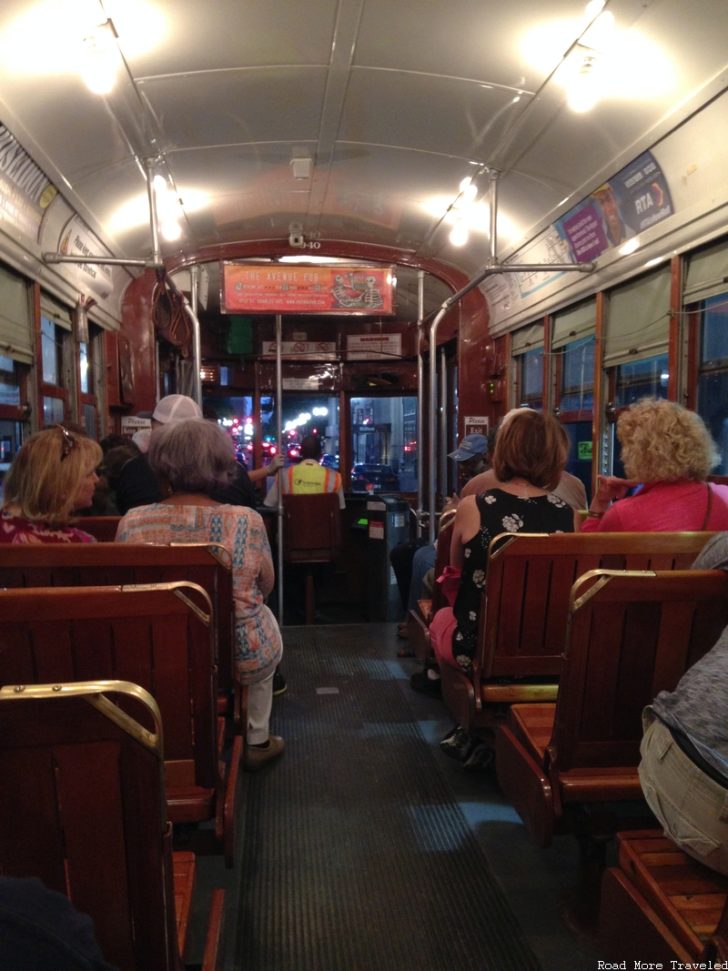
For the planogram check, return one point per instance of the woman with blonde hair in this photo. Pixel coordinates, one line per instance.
(668, 451)
(52, 476)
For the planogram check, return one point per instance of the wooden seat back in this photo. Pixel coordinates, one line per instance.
(82, 808)
(631, 634)
(311, 528)
(152, 635)
(523, 616)
(121, 564)
(155, 635)
(102, 528)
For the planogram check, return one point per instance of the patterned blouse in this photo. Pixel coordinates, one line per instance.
(17, 529)
(500, 512)
(240, 530)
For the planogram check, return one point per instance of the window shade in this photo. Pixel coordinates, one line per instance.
(638, 319)
(707, 274)
(55, 311)
(527, 339)
(15, 321)
(574, 323)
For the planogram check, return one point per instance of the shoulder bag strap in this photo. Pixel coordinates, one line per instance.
(708, 507)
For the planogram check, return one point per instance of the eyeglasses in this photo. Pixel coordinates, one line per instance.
(68, 444)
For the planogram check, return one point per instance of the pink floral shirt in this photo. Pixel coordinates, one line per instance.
(241, 531)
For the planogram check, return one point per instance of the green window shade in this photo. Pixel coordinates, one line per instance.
(15, 320)
(572, 324)
(56, 312)
(527, 339)
(638, 319)
(707, 274)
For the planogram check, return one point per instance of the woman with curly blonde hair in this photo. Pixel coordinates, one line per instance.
(668, 450)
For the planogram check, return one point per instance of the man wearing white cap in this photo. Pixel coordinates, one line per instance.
(137, 485)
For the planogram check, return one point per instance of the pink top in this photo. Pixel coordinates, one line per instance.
(662, 507)
(17, 529)
(258, 645)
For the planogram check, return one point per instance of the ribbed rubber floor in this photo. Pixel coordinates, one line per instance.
(355, 856)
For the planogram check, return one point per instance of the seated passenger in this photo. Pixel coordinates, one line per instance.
(412, 561)
(136, 485)
(668, 451)
(684, 767)
(569, 488)
(308, 476)
(193, 459)
(41, 929)
(52, 476)
(529, 457)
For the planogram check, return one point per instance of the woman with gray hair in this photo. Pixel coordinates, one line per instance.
(191, 459)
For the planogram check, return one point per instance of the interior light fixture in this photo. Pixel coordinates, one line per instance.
(459, 234)
(168, 209)
(99, 61)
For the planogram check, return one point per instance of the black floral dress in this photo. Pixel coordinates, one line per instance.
(500, 512)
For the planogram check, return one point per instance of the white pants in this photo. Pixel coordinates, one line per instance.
(260, 703)
(692, 807)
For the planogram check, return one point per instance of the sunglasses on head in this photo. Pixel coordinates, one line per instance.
(68, 444)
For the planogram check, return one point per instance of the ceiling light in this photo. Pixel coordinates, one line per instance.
(459, 234)
(584, 88)
(99, 59)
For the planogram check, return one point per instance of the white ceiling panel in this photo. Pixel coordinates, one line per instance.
(394, 102)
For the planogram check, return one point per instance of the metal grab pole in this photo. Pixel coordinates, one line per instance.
(196, 338)
(420, 397)
(432, 416)
(279, 434)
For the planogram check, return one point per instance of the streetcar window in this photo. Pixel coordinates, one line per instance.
(51, 341)
(9, 382)
(577, 376)
(641, 379)
(712, 404)
(530, 367)
(303, 414)
(384, 444)
(86, 375)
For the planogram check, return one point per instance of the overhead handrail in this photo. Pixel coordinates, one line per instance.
(490, 269)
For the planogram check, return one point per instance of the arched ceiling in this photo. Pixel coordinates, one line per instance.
(386, 106)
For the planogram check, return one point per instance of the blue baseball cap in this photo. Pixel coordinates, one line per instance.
(470, 447)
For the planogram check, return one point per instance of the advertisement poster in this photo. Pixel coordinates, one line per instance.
(25, 191)
(279, 289)
(636, 198)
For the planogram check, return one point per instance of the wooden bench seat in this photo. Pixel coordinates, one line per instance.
(658, 903)
(631, 634)
(524, 612)
(82, 808)
(154, 635)
(122, 564)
